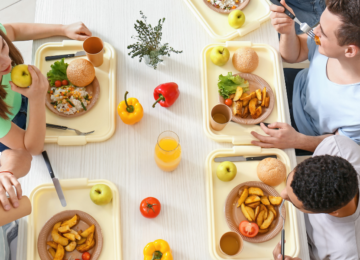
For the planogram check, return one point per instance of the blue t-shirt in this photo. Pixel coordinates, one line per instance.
(321, 106)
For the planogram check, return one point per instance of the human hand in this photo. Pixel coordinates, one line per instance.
(282, 23)
(285, 137)
(38, 88)
(278, 256)
(77, 31)
(7, 184)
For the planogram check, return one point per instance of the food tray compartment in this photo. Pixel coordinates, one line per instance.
(217, 192)
(268, 69)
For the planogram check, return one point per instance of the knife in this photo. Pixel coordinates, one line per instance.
(242, 158)
(58, 57)
(55, 180)
(267, 124)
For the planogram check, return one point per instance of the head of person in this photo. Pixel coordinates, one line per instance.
(339, 29)
(9, 56)
(322, 184)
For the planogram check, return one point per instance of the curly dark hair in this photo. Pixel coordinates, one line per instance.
(325, 183)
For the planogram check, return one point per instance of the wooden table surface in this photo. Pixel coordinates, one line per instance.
(127, 159)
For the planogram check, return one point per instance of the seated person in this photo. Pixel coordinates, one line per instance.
(325, 96)
(326, 188)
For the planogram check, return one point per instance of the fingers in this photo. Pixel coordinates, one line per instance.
(34, 74)
(267, 130)
(281, 21)
(17, 186)
(265, 139)
(278, 125)
(81, 37)
(3, 199)
(17, 89)
(287, 7)
(262, 145)
(276, 8)
(84, 30)
(10, 190)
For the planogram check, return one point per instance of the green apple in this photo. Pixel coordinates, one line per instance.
(219, 55)
(20, 75)
(226, 171)
(101, 194)
(236, 19)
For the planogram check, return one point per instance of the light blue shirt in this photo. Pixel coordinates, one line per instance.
(321, 106)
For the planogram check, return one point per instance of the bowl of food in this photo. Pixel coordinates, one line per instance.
(252, 210)
(226, 6)
(69, 235)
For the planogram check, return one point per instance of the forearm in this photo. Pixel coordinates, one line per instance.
(18, 162)
(35, 133)
(290, 47)
(309, 143)
(33, 31)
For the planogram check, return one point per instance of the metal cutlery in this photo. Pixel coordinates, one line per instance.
(266, 124)
(242, 158)
(58, 57)
(282, 231)
(67, 128)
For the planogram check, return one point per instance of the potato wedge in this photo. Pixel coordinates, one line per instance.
(237, 108)
(262, 207)
(257, 113)
(77, 235)
(265, 200)
(262, 231)
(250, 212)
(246, 214)
(64, 229)
(71, 222)
(88, 231)
(232, 96)
(245, 102)
(246, 98)
(276, 201)
(52, 244)
(81, 241)
(69, 236)
(252, 199)
(238, 93)
(260, 218)
(252, 106)
(271, 208)
(57, 237)
(253, 205)
(267, 101)
(70, 247)
(258, 94)
(90, 242)
(257, 211)
(263, 92)
(246, 112)
(243, 193)
(52, 252)
(60, 253)
(267, 222)
(256, 191)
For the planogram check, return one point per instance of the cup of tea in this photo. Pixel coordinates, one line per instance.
(219, 117)
(231, 243)
(94, 48)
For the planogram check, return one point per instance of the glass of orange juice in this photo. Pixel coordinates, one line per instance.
(168, 151)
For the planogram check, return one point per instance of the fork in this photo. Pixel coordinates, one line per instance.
(282, 231)
(303, 26)
(67, 128)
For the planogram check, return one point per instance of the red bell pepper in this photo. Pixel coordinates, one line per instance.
(166, 94)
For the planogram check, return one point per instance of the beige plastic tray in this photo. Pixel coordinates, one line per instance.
(217, 25)
(217, 191)
(46, 204)
(268, 69)
(101, 117)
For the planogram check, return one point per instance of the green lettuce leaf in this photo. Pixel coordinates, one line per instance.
(57, 72)
(228, 84)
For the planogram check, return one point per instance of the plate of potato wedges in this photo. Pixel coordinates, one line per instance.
(69, 234)
(258, 203)
(254, 106)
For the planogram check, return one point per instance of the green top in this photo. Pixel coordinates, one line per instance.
(13, 99)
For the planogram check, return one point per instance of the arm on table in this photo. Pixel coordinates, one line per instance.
(286, 137)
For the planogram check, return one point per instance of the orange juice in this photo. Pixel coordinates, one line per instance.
(167, 152)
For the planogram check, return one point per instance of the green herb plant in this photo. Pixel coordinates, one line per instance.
(149, 42)
(57, 72)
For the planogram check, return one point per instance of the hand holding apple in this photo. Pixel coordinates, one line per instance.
(236, 19)
(219, 55)
(226, 171)
(20, 75)
(101, 194)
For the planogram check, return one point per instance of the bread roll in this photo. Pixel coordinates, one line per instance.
(271, 171)
(245, 60)
(80, 72)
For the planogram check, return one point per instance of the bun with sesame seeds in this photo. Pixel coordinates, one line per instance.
(271, 171)
(245, 60)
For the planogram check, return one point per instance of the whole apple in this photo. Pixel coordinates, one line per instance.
(219, 55)
(226, 171)
(101, 194)
(20, 75)
(236, 19)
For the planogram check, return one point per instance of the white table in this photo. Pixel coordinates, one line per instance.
(127, 158)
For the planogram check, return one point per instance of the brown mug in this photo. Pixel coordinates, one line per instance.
(220, 110)
(13, 214)
(94, 48)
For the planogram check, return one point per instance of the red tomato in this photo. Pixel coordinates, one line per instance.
(58, 83)
(248, 229)
(228, 102)
(150, 207)
(85, 256)
(64, 82)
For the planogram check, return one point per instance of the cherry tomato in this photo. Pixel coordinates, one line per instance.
(150, 207)
(228, 102)
(248, 229)
(64, 82)
(58, 83)
(85, 256)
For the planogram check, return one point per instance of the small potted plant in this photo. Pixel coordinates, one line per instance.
(148, 45)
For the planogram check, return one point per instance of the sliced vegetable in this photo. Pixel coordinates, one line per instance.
(82, 104)
(57, 72)
(67, 100)
(229, 83)
(248, 229)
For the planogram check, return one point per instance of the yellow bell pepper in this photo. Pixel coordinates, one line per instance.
(159, 249)
(130, 110)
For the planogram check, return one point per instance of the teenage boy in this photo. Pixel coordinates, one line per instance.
(326, 188)
(326, 96)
